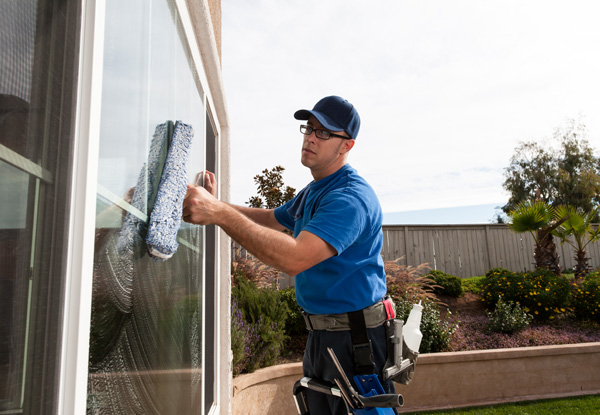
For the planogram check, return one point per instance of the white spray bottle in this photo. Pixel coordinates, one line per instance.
(411, 331)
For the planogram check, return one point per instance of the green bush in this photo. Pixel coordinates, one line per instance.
(243, 337)
(294, 324)
(265, 312)
(503, 283)
(448, 284)
(586, 298)
(473, 284)
(542, 293)
(436, 333)
(508, 317)
(492, 272)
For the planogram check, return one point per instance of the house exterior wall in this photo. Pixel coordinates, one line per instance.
(87, 325)
(215, 17)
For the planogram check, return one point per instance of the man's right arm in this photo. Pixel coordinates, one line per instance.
(264, 217)
(274, 248)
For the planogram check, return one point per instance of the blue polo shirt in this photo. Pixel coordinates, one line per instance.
(343, 210)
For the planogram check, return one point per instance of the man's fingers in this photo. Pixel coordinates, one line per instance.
(196, 205)
(210, 177)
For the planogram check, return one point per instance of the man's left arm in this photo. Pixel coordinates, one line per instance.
(274, 248)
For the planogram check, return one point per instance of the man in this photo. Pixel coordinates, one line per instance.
(334, 253)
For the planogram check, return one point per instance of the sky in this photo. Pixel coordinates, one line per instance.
(446, 90)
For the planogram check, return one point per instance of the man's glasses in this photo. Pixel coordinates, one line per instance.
(322, 134)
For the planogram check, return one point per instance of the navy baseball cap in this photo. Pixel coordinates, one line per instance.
(334, 113)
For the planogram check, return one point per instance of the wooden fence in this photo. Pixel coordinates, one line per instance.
(461, 250)
(470, 250)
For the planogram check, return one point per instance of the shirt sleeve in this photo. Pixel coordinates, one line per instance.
(283, 217)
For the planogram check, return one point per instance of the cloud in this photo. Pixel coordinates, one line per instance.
(446, 90)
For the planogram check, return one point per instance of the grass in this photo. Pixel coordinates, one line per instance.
(582, 405)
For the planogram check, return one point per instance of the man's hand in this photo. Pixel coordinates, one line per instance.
(199, 206)
(208, 180)
(258, 231)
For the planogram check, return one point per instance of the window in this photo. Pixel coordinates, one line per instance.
(38, 49)
(148, 353)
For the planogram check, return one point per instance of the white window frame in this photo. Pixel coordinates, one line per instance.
(73, 376)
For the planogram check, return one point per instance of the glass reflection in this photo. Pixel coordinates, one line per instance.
(15, 243)
(146, 329)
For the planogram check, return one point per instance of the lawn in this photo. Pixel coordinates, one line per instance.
(582, 405)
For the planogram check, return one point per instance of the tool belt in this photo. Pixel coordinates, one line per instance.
(375, 316)
(357, 322)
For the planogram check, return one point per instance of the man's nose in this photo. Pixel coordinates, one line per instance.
(312, 137)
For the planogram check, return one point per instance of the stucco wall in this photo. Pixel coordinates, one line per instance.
(215, 16)
(451, 380)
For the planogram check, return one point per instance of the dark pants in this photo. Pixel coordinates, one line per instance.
(317, 364)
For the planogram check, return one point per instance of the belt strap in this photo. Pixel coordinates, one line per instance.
(375, 316)
(357, 322)
(362, 349)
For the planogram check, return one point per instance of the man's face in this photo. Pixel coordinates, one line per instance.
(324, 157)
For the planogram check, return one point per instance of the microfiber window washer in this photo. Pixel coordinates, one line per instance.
(129, 245)
(134, 228)
(165, 218)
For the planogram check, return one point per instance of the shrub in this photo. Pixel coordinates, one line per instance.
(266, 313)
(492, 272)
(586, 298)
(446, 284)
(266, 351)
(406, 281)
(243, 336)
(252, 269)
(294, 324)
(436, 333)
(473, 284)
(502, 283)
(508, 317)
(541, 292)
(547, 294)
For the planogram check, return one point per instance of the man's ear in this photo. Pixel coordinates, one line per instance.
(348, 144)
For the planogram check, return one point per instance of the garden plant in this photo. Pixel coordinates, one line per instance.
(523, 309)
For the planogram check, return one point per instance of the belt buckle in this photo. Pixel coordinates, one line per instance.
(363, 357)
(307, 321)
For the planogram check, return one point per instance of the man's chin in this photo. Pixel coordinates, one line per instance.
(304, 162)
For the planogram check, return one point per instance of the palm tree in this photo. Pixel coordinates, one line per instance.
(578, 225)
(540, 220)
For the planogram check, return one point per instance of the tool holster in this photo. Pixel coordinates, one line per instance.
(401, 360)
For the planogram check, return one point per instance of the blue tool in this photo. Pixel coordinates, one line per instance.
(371, 400)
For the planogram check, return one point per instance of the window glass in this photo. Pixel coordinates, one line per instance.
(15, 244)
(38, 65)
(147, 314)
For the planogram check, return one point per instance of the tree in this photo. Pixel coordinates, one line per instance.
(566, 174)
(530, 175)
(540, 220)
(578, 182)
(271, 190)
(578, 225)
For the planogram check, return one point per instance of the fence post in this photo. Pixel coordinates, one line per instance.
(488, 249)
(406, 245)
